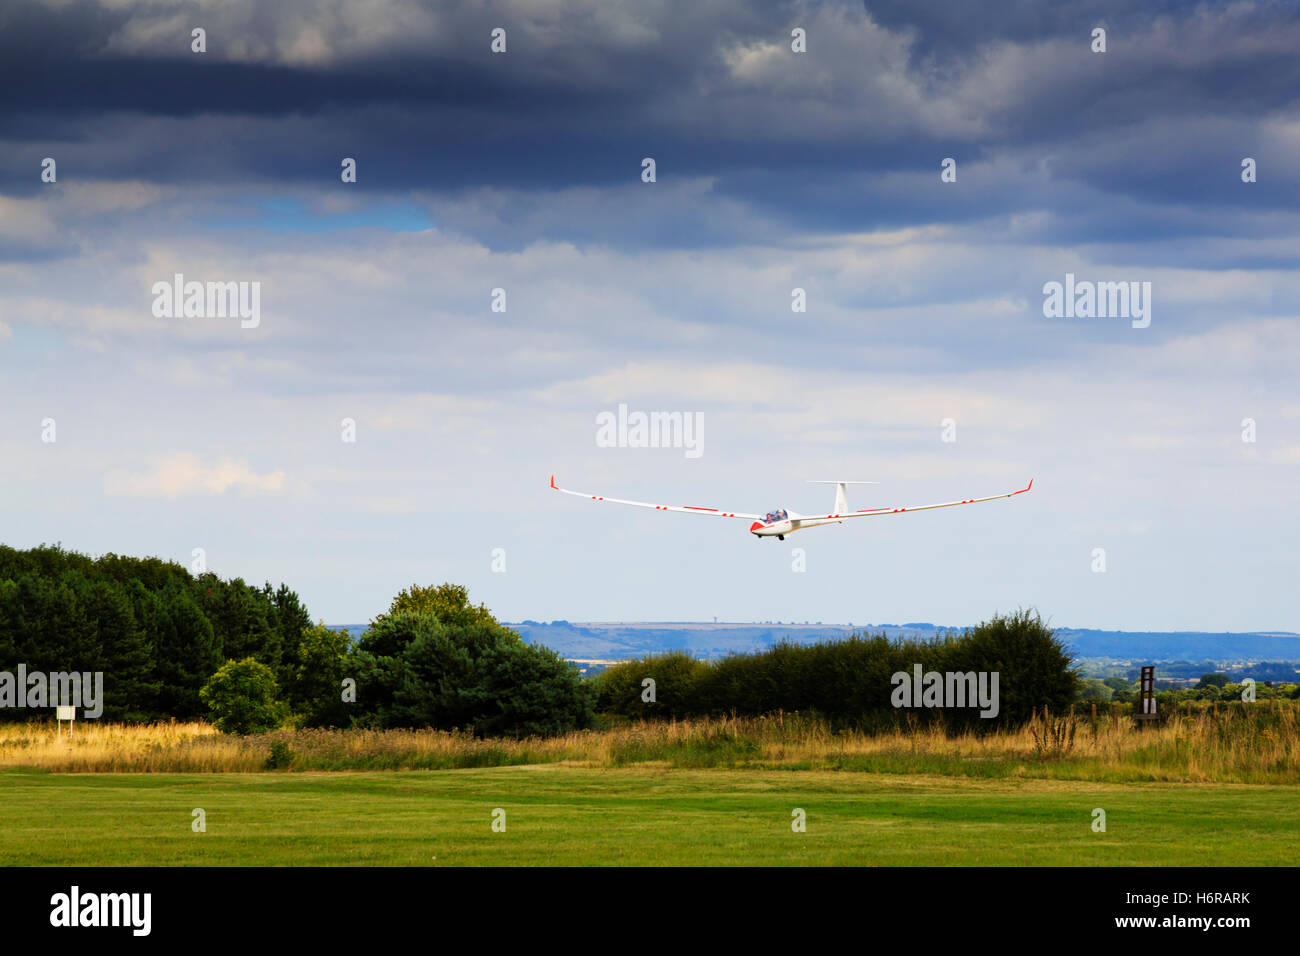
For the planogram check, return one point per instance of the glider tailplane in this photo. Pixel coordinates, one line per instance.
(841, 496)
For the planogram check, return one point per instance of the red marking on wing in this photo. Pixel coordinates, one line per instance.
(693, 508)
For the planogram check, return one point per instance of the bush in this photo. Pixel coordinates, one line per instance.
(622, 688)
(241, 698)
(281, 756)
(1034, 664)
(850, 682)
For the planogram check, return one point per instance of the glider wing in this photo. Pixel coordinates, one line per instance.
(688, 509)
(874, 512)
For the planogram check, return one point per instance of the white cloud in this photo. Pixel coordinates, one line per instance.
(183, 473)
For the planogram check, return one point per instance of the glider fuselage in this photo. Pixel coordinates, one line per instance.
(792, 522)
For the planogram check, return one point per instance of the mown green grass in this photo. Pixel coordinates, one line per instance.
(566, 815)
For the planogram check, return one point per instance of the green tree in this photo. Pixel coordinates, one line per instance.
(124, 652)
(435, 660)
(449, 603)
(480, 677)
(241, 698)
(533, 692)
(242, 619)
(317, 689)
(623, 688)
(186, 654)
(156, 632)
(291, 621)
(1090, 688)
(1033, 665)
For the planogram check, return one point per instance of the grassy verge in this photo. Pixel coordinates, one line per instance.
(1260, 745)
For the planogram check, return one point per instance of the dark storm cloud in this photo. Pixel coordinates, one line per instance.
(712, 90)
(945, 29)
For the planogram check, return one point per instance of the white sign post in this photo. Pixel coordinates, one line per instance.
(68, 713)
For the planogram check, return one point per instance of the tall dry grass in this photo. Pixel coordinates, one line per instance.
(1259, 744)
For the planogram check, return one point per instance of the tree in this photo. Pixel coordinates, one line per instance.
(480, 677)
(156, 632)
(317, 689)
(1090, 688)
(186, 654)
(534, 692)
(291, 621)
(241, 698)
(623, 689)
(125, 652)
(242, 619)
(449, 603)
(1032, 663)
(1212, 680)
(435, 660)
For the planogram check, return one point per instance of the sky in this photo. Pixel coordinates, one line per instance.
(1164, 455)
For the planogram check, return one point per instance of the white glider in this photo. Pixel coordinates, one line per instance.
(780, 522)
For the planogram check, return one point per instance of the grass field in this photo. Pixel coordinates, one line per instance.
(1206, 789)
(558, 814)
(1259, 744)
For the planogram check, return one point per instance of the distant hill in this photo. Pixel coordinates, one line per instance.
(1182, 645)
(612, 641)
(617, 641)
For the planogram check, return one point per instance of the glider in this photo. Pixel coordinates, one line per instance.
(777, 524)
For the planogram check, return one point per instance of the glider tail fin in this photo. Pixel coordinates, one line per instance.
(841, 497)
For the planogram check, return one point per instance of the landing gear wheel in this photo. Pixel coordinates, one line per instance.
(780, 537)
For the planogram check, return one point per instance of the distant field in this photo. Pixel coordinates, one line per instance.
(564, 815)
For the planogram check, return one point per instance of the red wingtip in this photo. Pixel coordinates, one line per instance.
(553, 485)
(1027, 487)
